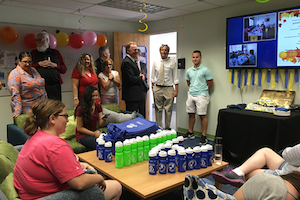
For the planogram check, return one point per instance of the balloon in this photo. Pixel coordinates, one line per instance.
(76, 41)
(9, 34)
(62, 39)
(90, 38)
(101, 40)
(53, 41)
(29, 41)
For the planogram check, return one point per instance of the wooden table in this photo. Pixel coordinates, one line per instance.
(136, 178)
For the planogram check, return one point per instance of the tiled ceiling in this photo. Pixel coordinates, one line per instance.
(96, 8)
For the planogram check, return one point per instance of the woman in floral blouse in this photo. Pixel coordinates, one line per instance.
(25, 85)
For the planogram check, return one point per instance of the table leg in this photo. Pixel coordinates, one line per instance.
(217, 184)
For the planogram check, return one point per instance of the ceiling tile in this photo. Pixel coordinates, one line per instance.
(200, 6)
(100, 15)
(227, 2)
(113, 11)
(90, 1)
(171, 3)
(173, 12)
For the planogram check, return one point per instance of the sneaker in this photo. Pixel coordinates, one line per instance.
(228, 177)
(189, 135)
(203, 140)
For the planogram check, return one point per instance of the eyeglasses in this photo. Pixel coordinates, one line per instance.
(27, 62)
(39, 40)
(66, 116)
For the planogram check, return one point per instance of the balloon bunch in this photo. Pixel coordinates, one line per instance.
(10, 35)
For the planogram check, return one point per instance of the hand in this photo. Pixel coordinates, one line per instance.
(85, 166)
(97, 133)
(110, 76)
(102, 185)
(175, 93)
(143, 76)
(15, 115)
(76, 102)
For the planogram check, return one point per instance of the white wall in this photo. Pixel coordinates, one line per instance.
(40, 18)
(206, 31)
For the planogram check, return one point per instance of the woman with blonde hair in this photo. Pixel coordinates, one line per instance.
(47, 167)
(84, 74)
(110, 82)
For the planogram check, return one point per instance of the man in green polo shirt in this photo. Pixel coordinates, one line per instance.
(200, 81)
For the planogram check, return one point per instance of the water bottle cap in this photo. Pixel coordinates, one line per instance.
(139, 139)
(152, 136)
(209, 147)
(173, 131)
(180, 148)
(158, 135)
(197, 149)
(180, 138)
(145, 137)
(132, 141)
(127, 142)
(175, 146)
(189, 150)
(101, 142)
(182, 152)
(108, 144)
(163, 133)
(119, 144)
(169, 142)
(155, 149)
(158, 130)
(168, 145)
(152, 153)
(172, 152)
(168, 132)
(161, 145)
(163, 154)
(203, 149)
(175, 140)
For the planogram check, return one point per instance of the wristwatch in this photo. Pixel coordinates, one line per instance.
(75, 98)
(111, 79)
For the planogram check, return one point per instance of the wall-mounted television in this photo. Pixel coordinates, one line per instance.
(264, 40)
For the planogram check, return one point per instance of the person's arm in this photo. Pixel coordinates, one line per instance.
(117, 80)
(175, 93)
(85, 181)
(188, 82)
(105, 84)
(0, 85)
(129, 73)
(61, 66)
(83, 130)
(75, 86)
(153, 74)
(14, 85)
(101, 121)
(210, 84)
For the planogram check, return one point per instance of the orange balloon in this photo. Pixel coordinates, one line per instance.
(9, 34)
(101, 40)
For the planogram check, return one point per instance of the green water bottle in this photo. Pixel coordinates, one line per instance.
(119, 156)
(127, 153)
(133, 151)
(146, 147)
(153, 141)
(140, 149)
(169, 136)
(173, 134)
(163, 136)
(158, 138)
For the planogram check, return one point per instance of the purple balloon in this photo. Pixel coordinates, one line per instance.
(90, 38)
(53, 41)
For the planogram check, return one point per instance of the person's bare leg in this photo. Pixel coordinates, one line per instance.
(113, 190)
(192, 120)
(204, 124)
(239, 194)
(263, 157)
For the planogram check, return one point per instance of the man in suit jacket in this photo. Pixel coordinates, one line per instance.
(133, 81)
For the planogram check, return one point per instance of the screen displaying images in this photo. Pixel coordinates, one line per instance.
(273, 39)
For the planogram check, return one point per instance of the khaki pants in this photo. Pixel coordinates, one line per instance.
(163, 98)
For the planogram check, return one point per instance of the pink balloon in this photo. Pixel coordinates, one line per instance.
(53, 41)
(90, 38)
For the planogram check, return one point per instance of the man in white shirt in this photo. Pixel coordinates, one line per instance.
(163, 78)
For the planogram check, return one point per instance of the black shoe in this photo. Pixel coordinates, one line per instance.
(189, 135)
(203, 140)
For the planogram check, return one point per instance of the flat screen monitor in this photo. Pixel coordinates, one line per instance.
(264, 40)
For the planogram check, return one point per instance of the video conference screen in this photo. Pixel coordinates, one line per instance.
(265, 40)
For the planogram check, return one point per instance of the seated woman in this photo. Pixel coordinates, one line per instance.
(84, 74)
(89, 113)
(110, 82)
(47, 167)
(25, 85)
